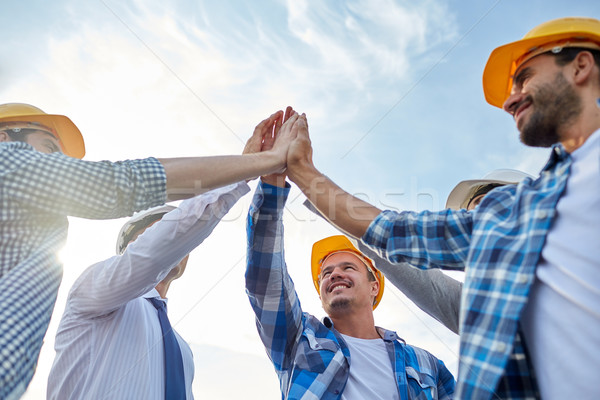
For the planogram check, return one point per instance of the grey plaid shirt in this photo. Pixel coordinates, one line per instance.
(37, 192)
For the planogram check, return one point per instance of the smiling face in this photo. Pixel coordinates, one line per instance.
(345, 284)
(542, 101)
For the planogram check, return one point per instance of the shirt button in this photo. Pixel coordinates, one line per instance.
(522, 279)
(542, 214)
(500, 347)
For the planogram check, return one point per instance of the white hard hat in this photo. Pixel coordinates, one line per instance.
(462, 193)
(140, 220)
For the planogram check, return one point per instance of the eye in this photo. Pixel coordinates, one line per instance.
(522, 79)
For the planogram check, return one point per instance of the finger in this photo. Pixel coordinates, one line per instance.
(290, 121)
(300, 128)
(269, 139)
(288, 112)
(266, 123)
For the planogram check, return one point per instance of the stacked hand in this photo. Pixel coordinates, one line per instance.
(286, 135)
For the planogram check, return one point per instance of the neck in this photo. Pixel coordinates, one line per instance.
(358, 325)
(162, 288)
(588, 123)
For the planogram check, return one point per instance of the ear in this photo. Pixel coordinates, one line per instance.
(583, 67)
(4, 137)
(375, 288)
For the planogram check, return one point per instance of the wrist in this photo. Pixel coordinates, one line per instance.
(274, 180)
(276, 162)
(306, 177)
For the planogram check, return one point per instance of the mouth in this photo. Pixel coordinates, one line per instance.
(522, 107)
(338, 286)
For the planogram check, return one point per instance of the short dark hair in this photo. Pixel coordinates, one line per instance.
(568, 54)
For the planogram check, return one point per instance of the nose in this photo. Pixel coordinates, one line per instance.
(510, 104)
(337, 273)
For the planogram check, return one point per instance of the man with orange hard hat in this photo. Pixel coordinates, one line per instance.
(530, 304)
(345, 356)
(43, 180)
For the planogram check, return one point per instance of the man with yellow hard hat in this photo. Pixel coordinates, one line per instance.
(529, 310)
(43, 180)
(345, 356)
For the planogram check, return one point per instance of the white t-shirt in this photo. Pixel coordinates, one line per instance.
(371, 373)
(561, 320)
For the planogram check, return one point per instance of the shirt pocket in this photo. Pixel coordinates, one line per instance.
(421, 386)
(314, 353)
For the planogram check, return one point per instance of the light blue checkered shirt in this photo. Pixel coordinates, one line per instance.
(37, 192)
(500, 243)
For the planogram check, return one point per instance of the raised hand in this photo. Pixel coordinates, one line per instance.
(299, 159)
(277, 179)
(262, 130)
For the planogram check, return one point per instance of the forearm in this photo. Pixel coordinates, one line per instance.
(270, 290)
(190, 176)
(348, 213)
(146, 261)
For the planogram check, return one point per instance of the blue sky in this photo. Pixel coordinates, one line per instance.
(392, 90)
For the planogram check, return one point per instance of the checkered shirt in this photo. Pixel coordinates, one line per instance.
(37, 192)
(310, 357)
(500, 243)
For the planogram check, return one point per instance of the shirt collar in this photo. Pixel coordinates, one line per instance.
(152, 294)
(388, 336)
(557, 156)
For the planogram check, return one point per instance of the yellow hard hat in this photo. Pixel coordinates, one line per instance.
(549, 36)
(340, 243)
(62, 127)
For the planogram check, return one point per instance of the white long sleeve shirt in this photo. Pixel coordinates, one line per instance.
(109, 342)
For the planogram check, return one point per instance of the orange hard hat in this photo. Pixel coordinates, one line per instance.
(550, 36)
(59, 125)
(335, 244)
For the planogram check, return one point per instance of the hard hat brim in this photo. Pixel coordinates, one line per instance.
(462, 192)
(502, 63)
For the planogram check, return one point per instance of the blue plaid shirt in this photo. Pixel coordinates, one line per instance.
(37, 192)
(500, 243)
(310, 357)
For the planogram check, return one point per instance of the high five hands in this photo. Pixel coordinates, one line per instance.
(286, 135)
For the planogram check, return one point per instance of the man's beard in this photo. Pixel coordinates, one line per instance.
(554, 105)
(340, 304)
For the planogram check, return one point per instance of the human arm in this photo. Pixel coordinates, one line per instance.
(348, 213)
(194, 175)
(51, 185)
(57, 184)
(269, 287)
(108, 284)
(423, 239)
(431, 290)
(446, 384)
